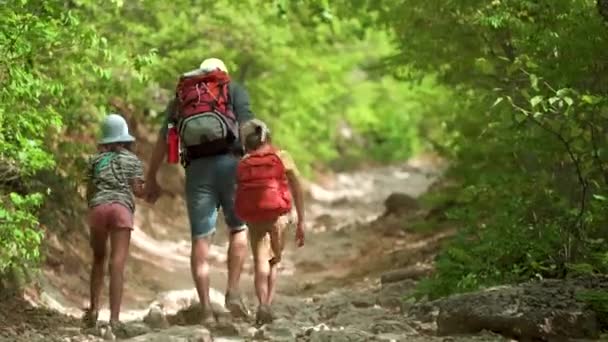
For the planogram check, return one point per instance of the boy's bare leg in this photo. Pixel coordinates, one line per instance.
(260, 257)
(276, 241)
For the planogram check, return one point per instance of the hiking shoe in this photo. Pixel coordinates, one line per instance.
(264, 315)
(275, 260)
(119, 329)
(208, 318)
(234, 303)
(89, 319)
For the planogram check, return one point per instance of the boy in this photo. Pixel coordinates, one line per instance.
(267, 180)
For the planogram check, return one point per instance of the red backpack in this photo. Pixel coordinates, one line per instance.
(262, 192)
(204, 118)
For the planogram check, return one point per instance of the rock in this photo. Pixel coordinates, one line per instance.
(107, 334)
(392, 295)
(226, 328)
(176, 334)
(156, 318)
(545, 310)
(133, 329)
(363, 302)
(279, 330)
(400, 204)
(340, 335)
(425, 312)
(391, 326)
(414, 272)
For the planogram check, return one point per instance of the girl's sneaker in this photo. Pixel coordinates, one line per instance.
(89, 319)
(119, 329)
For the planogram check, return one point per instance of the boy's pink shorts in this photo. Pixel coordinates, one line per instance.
(110, 216)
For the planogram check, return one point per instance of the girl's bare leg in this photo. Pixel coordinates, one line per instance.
(99, 239)
(120, 240)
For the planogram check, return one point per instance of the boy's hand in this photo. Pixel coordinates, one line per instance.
(300, 234)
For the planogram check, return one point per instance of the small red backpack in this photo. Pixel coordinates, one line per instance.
(262, 192)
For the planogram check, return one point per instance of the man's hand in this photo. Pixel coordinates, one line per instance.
(151, 191)
(300, 234)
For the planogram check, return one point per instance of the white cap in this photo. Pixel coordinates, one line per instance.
(211, 64)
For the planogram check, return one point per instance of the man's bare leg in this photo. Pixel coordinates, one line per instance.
(199, 265)
(237, 252)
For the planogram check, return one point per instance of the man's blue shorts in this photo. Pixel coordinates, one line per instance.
(211, 181)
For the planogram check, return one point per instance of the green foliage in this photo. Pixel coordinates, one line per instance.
(65, 64)
(19, 236)
(36, 92)
(598, 302)
(527, 135)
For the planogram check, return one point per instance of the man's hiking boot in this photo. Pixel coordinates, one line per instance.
(264, 315)
(89, 319)
(234, 303)
(208, 318)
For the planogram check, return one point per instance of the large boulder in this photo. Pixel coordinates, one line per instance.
(544, 310)
(400, 204)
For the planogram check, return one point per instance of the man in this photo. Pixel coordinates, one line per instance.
(210, 180)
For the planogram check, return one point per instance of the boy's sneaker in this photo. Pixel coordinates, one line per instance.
(234, 303)
(275, 260)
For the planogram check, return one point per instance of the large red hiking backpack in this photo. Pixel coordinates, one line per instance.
(262, 192)
(204, 117)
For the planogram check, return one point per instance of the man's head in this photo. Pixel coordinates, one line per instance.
(254, 133)
(211, 64)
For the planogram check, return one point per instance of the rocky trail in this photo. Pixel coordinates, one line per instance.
(349, 283)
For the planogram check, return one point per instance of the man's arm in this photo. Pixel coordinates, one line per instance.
(152, 191)
(241, 104)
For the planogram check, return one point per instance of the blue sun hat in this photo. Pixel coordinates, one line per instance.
(114, 129)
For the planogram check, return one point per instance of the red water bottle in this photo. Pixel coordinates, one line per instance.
(172, 145)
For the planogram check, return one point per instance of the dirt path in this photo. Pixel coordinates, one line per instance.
(329, 289)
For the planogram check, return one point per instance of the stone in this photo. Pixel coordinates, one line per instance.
(176, 334)
(414, 272)
(400, 204)
(156, 318)
(545, 310)
(392, 295)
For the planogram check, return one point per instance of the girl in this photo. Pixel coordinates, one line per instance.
(115, 176)
(266, 180)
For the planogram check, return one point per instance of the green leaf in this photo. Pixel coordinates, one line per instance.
(591, 99)
(600, 197)
(498, 101)
(534, 82)
(536, 100)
